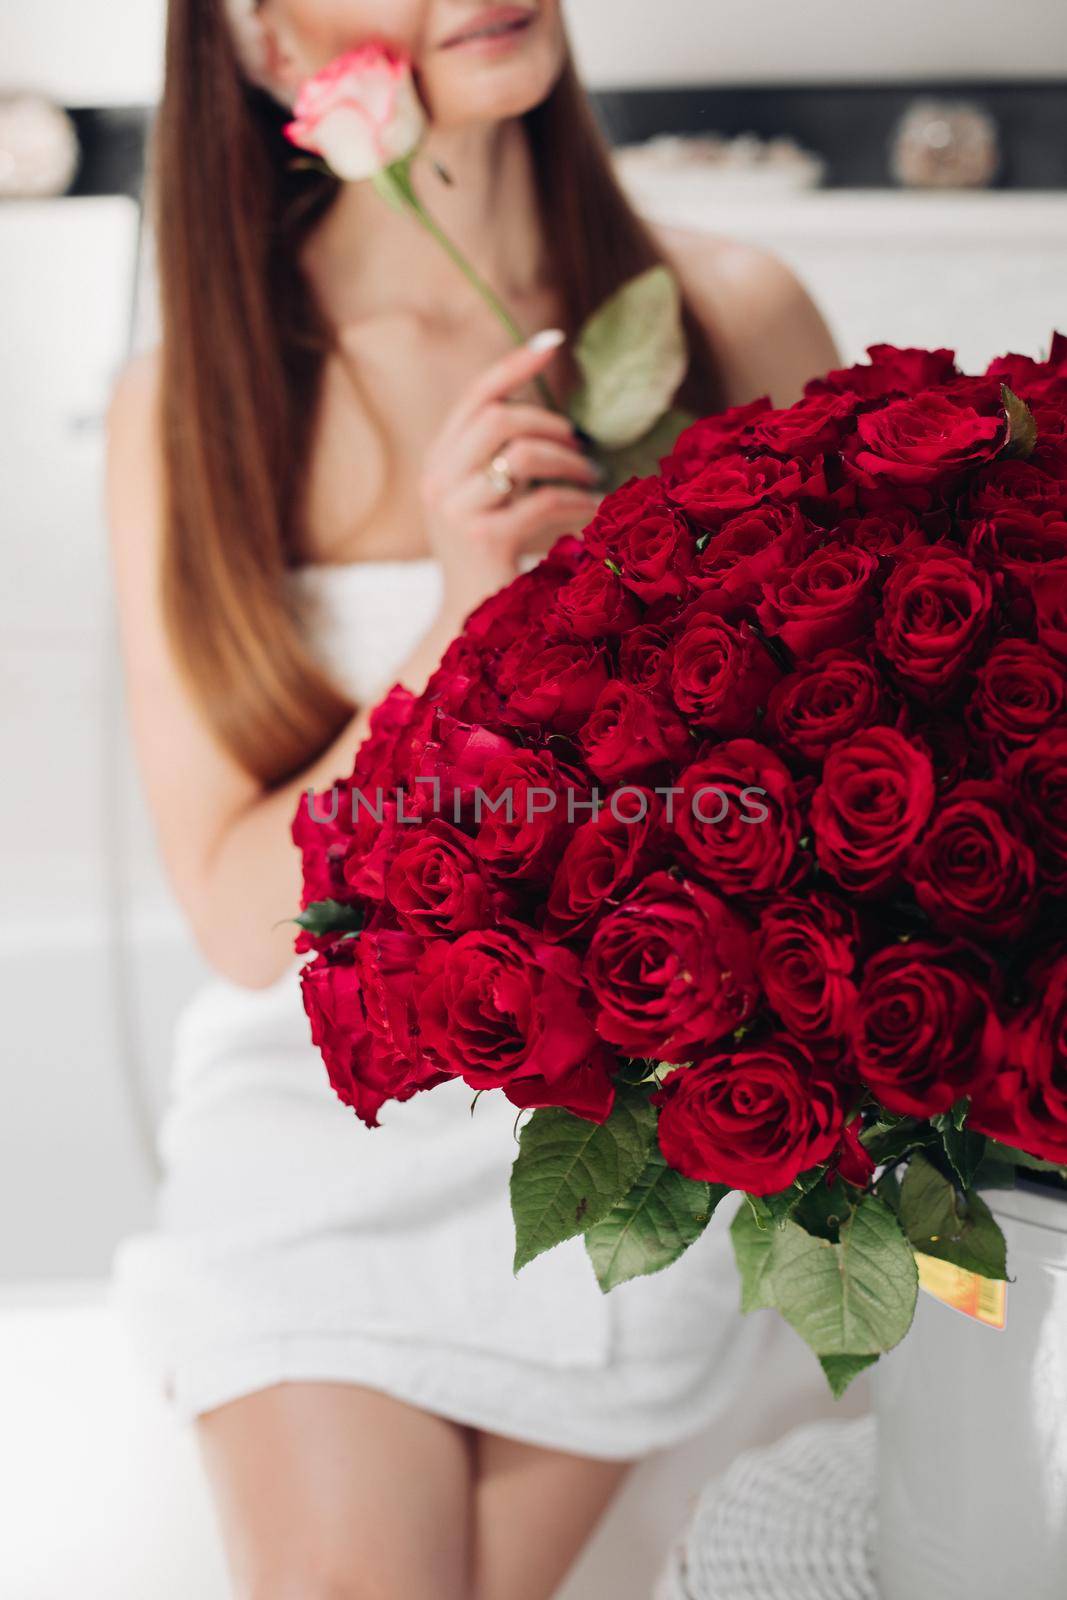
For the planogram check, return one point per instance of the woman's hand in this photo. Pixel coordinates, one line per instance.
(477, 529)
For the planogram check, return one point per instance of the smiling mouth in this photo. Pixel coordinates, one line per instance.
(497, 26)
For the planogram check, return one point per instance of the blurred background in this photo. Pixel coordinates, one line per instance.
(909, 161)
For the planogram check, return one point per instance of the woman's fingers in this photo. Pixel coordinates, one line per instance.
(497, 425)
(510, 374)
(542, 515)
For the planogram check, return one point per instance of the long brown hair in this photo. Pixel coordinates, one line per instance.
(244, 345)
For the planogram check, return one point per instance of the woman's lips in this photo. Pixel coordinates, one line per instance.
(496, 29)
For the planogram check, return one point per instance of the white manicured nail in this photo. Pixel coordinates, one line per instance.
(547, 339)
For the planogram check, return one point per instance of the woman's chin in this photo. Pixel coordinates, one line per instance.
(478, 91)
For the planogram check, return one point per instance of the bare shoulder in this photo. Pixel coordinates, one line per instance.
(767, 332)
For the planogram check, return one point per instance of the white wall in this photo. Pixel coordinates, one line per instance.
(101, 52)
(629, 42)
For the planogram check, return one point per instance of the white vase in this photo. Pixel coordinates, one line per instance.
(972, 1430)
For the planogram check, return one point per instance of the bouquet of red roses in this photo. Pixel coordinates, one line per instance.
(731, 842)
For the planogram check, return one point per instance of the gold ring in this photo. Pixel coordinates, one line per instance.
(500, 476)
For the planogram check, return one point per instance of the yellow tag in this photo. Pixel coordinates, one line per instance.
(984, 1299)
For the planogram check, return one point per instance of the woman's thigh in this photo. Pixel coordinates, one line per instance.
(534, 1509)
(333, 1492)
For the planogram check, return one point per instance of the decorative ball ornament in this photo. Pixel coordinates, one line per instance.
(39, 150)
(945, 145)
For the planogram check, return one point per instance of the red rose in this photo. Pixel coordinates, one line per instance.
(629, 733)
(644, 657)
(1020, 690)
(737, 819)
(1049, 591)
(973, 872)
(328, 829)
(754, 1119)
(1020, 542)
(594, 604)
(1008, 487)
(672, 970)
(875, 799)
(884, 533)
(435, 884)
(824, 603)
(506, 1010)
(818, 707)
(925, 1030)
(891, 371)
(750, 549)
(551, 685)
(711, 437)
(1037, 1072)
(806, 962)
(720, 674)
(814, 426)
(728, 488)
(361, 1014)
(925, 440)
(935, 619)
(602, 861)
(644, 536)
(524, 812)
(527, 599)
(453, 765)
(1038, 778)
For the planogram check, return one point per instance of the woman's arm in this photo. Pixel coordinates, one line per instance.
(224, 840)
(766, 331)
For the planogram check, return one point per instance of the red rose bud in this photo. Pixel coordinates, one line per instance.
(826, 703)
(925, 1030)
(935, 619)
(973, 872)
(824, 603)
(603, 859)
(362, 1020)
(506, 1010)
(754, 1119)
(736, 818)
(875, 799)
(672, 969)
(1038, 779)
(807, 964)
(645, 538)
(1019, 692)
(721, 675)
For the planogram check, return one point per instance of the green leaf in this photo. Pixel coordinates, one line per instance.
(941, 1222)
(888, 1142)
(772, 1210)
(1019, 1158)
(642, 459)
(656, 1222)
(963, 1150)
(825, 1207)
(329, 916)
(569, 1172)
(840, 1371)
(850, 1299)
(1022, 429)
(753, 1252)
(632, 357)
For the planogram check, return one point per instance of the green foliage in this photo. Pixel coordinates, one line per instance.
(661, 1216)
(632, 357)
(329, 916)
(849, 1300)
(1022, 429)
(942, 1222)
(570, 1173)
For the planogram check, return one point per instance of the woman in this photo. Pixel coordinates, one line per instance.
(309, 490)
